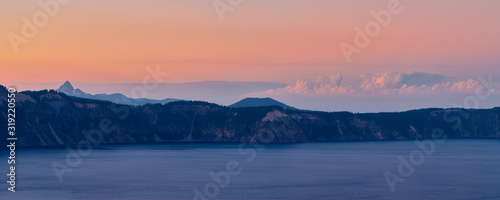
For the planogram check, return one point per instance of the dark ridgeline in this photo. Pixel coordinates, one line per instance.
(3, 94)
(46, 118)
(258, 102)
(3, 112)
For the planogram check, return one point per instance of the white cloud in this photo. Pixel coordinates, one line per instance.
(375, 84)
(322, 85)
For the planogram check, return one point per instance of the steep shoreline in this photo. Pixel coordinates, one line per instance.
(49, 118)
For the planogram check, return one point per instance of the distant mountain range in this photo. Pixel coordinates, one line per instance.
(258, 102)
(117, 98)
(50, 118)
(68, 89)
(220, 92)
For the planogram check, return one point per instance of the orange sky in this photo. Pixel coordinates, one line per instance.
(260, 40)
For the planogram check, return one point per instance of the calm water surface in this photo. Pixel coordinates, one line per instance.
(458, 169)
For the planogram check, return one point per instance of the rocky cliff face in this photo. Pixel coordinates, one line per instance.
(47, 118)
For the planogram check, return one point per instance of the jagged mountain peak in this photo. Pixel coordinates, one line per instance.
(118, 98)
(66, 88)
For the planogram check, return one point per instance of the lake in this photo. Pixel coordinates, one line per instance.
(453, 169)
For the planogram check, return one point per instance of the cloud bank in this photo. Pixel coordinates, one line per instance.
(376, 84)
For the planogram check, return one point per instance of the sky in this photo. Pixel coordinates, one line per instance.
(448, 43)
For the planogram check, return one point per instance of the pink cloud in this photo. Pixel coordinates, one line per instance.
(376, 84)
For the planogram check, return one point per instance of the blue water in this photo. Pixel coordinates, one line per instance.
(457, 169)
